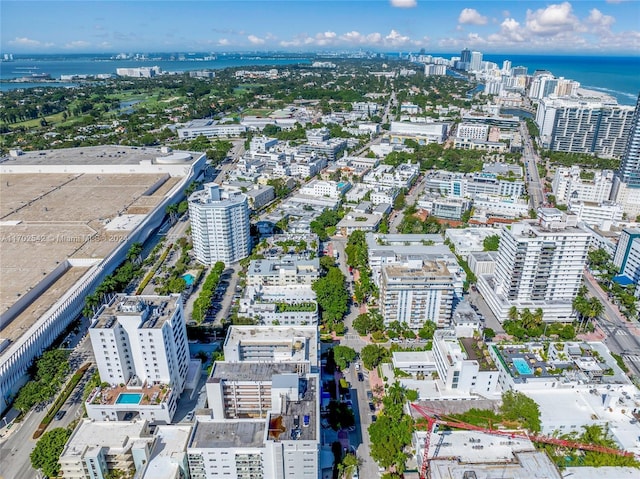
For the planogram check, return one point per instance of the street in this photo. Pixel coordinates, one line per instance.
(530, 158)
(16, 447)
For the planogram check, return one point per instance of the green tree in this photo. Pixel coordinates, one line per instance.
(491, 243)
(372, 355)
(519, 407)
(343, 355)
(427, 330)
(47, 452)
(332, 295)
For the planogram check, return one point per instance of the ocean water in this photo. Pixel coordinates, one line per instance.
(616, 75)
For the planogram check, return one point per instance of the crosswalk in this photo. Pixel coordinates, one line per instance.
(621, 332)
(634, 358)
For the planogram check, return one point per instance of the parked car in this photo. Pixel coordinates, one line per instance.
(372, 407)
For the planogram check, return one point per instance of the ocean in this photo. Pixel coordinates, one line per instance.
(618, 76)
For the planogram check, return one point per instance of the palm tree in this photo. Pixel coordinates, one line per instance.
(513, 313)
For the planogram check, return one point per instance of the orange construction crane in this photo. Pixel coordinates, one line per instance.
(434, 418)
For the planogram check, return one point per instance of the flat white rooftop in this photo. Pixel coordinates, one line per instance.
(171, 443)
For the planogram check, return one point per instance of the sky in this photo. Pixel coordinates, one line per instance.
(91, 26)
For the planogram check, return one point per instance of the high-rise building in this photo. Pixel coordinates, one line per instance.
(539, 265)
(519, 71)
(219, 225)
(475, 63)
(141, 336)
(630, 168)
(506, 66)
(141, 350)
(465, 56)
(584, 125)
(415, 292)
(627, 238)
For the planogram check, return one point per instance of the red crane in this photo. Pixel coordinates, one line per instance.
(434, 417)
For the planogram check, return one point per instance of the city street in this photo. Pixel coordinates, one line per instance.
(530, 158)
(16, 447)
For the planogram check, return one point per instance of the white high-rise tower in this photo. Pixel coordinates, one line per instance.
(219, 225)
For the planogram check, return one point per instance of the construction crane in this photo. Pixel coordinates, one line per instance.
(436, 418)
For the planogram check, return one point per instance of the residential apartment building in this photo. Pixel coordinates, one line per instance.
(629, 172)
(574, 184)
(277, 344)
(627, 255)
(401, 176)
(284, 444)
(540, 265)
(283, 272)
(415, 292)
(330, 189)
(472, 131)
(141, 350)
(97, 448)
(596, 214)
(219, 225)
(286, 305)
(458, 370)
(584, 126)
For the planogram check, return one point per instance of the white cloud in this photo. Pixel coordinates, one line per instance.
(395, 39)
(77, 44)
(255, 40)
(554, 19)
(224, 42)
(403, 3)
(28, 42)
(599, 20)
(471, 16)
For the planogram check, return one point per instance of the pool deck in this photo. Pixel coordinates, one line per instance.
(150, 395)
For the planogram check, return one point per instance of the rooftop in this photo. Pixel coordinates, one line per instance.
(298, 421)
(153, 311)
(247, 371)
(171, 441)
(49, 238)
(150, 395)
(115, 435)
(227, 434)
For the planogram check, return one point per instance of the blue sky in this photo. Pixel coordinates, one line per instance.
(580, 26)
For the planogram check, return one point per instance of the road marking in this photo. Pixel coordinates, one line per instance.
(621, 332)
(635, 359)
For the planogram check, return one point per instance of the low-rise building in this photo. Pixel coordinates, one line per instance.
(286, 305)
(283, 272)
(277, 344)
(575, 184)
(481, 262)
(97, 448)
(330, 189)
(596, 214)
(355, 221)
(469, 240)
(210, 129)
(423, 133)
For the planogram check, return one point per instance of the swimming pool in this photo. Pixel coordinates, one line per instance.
(522, 366)
(129, 398)
(189, 279)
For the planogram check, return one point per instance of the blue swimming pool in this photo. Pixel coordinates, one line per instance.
(522, 366)
(129, 398)
(189, 279)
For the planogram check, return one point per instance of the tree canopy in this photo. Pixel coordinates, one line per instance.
(343, 355)
(47, 452)
(332, 296)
